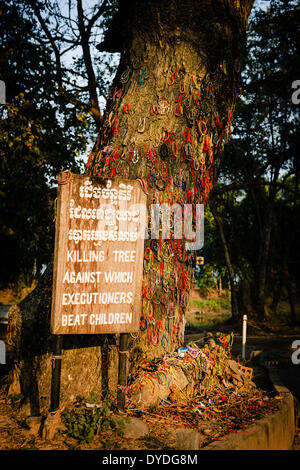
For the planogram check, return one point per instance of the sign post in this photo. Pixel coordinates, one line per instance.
(56, 368)
(122, 374)
(98, 261)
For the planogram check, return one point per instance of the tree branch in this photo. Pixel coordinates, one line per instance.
(46, 30)
(249, 185)
(92, 83)
(94, 18)
(242, 8)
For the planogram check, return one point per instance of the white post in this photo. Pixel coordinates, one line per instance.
(2, 352)
(183, 329)
(244, 336)
(2, 92)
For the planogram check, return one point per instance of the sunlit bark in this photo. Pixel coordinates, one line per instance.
(167, 119)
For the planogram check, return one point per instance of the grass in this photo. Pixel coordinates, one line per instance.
(210, 305)
(207, 313)
(205, 324)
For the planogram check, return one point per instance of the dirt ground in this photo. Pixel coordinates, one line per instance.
(276, 351)
(162, 424)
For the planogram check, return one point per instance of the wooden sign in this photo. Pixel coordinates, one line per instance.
(98, 260)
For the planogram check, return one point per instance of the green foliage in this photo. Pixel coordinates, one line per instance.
(206, 323)
(211, 305)
(46, 123)
(257, 193)
(205, 277)
(15, 400)
(40, 133)
(84, 422)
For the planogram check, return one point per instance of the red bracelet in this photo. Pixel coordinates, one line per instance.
(116, 154)
(174, 149)
(196, 99)
(173, 77)
(188, 135)
(178, 109)
(153, 109)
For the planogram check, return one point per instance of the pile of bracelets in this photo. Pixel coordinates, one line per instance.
(203, 368)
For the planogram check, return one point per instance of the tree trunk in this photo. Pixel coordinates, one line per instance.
(288, 282)
(167, 118)
(262, 307)
(234, 302)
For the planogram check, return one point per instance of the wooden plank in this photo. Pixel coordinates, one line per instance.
(98, 258)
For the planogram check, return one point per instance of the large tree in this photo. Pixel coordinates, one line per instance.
(167, 119)
(166, 122)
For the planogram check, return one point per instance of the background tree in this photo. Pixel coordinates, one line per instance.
(34, 124)
(46, 124)
(71, 30)
(259, 174)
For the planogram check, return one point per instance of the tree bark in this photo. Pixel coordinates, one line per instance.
(167, 119)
